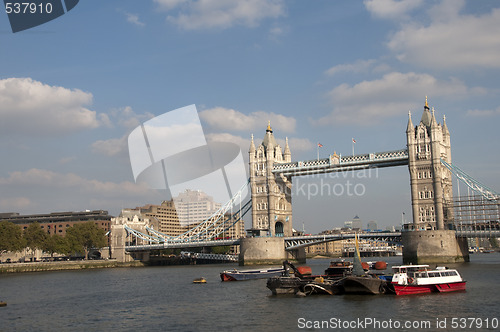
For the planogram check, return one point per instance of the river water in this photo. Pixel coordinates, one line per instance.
(165, 299)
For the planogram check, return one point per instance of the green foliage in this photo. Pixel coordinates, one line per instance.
(85, 236)
(494, 242)
(221, 249)
(35, 236)
(11, 237)
(57, 244)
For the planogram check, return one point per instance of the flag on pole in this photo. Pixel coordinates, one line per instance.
(354, 141)
(320, 145)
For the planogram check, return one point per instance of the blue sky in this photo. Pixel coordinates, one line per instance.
(72, 90)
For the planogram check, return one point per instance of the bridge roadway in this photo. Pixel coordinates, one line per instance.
(294, 242)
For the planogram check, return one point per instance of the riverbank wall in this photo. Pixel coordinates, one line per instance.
(68, 265)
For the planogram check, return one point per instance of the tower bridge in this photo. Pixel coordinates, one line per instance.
(433, 236)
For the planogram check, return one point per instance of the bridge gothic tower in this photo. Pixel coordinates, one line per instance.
(430, 180)
(271, 192)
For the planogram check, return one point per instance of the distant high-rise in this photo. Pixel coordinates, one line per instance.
(372, 225)
(194, 206)
(354, 223)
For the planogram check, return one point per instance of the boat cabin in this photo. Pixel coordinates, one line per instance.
(421, 275)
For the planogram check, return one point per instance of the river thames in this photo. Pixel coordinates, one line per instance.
(165, 299)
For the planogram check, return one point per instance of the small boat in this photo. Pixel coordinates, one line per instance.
(236, 275)
(3, 304)
(418, 279)
(339, 268)
(380, 265)
(200, 281)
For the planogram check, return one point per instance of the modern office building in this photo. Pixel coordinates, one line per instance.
(59, 222)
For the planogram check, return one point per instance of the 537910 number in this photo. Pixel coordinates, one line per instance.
(28, 7)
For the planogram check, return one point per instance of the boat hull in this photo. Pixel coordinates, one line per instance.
(422, 289)
(308, 286)
(249, 275)
(364, 285)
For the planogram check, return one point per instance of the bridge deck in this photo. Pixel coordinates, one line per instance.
(294, 242)
(340, 164)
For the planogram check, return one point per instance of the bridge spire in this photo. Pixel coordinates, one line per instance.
(445, 127)
(287, 154)
(410, 128)
(252, 146)
(426, 116)
(269, 129)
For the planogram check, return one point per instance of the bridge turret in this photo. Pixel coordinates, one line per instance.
(431, 186)
(271, 193)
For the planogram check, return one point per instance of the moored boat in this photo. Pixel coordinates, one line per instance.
(367, 284)
(339, 268)
(418, 279)
(299, 280)
(236, 275)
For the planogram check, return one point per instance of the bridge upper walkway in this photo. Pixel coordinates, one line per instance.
(340, 164)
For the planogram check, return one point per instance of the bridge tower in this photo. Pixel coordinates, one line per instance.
(430, 180)
(271, 193)
(430, 239)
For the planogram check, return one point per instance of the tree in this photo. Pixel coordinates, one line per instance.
(85, 236)
(56, 243)
(11, 237)
(221, 249)
(35, 236)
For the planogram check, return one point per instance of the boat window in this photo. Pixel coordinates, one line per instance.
(433, 274)
(453, 273)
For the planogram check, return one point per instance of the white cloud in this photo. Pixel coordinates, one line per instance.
(203, 14)
(483, 113)
(244, 143)
(30, 107)
(391, 9)
(229, 119)
(66, 160)
(134, 19)
(14, 204)
(126, 117)
(170, 4)
(66, 191)
(295, 144)
(110, 147)
(451, 40)
(369, 102)
(356, 67)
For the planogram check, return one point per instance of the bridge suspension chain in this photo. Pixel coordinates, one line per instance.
(473, 184)
(209, 229)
